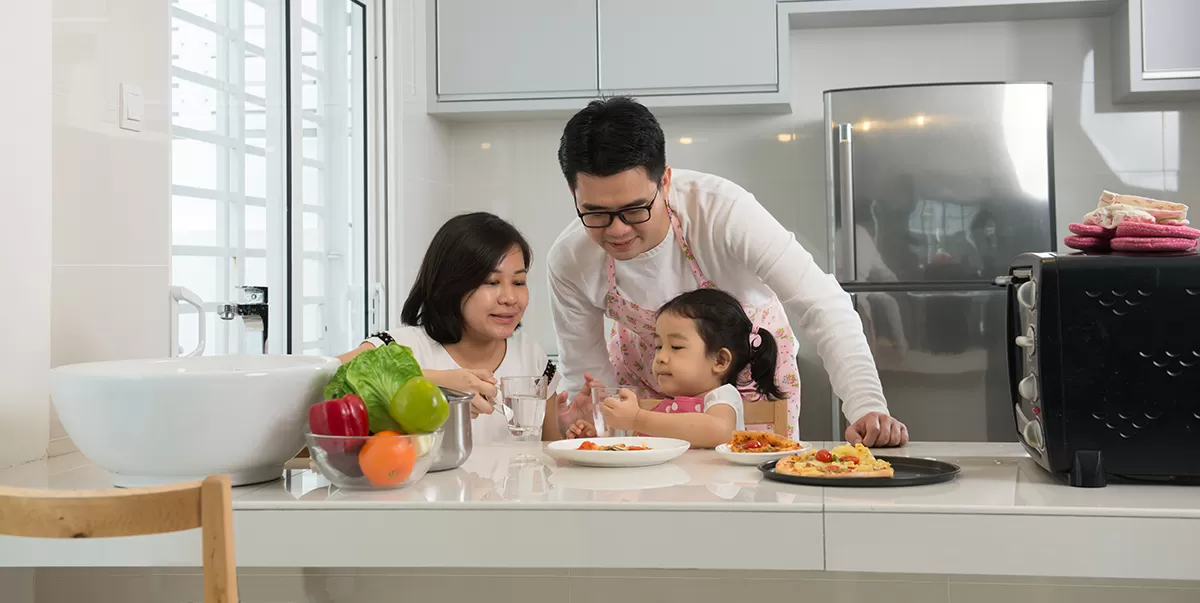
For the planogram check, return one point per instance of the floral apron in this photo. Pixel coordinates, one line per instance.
(631, 343)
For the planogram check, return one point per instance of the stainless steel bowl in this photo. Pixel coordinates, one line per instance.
(456, 438)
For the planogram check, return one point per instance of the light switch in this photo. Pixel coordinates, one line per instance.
(133, 107)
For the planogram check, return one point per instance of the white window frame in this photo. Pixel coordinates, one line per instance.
(368, 302)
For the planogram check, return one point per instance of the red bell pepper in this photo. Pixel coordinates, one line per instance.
(342, 417)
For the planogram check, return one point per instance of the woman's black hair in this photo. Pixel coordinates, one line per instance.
(722, 323)
(461, 257)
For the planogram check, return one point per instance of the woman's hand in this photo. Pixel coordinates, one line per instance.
(621, 412)
(472, 381)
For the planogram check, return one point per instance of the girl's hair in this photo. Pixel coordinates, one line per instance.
(461, 257)
(722, 323)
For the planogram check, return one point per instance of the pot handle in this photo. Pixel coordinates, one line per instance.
(182, 294)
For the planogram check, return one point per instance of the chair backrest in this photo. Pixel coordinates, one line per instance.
(754, 413)
(764, 412)
(207, 505)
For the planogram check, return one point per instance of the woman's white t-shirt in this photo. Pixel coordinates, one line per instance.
(523, 358)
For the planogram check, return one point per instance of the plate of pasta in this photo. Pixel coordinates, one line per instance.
(617, 452)
(758, 447)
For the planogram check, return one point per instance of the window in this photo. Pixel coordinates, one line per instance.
(271, 169)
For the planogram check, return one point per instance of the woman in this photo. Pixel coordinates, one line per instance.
(462, 315)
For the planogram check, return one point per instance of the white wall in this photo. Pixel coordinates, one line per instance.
(422, 153)
(112, 186)
(25, 255)
(1097, 146)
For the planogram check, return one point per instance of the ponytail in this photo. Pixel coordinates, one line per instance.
(763, 356)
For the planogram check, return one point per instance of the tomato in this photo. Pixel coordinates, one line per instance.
(825, 456)
(387, 461)
(850, 459)
(752, 444)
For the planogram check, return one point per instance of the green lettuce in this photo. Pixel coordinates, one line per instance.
(375, 376)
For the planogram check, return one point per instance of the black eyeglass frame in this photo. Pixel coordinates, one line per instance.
(620, 213)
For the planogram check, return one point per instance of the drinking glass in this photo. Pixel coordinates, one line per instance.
(598, 396)
(525, 399)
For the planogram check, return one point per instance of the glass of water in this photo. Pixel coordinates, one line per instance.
(525, 399)
(599, 394)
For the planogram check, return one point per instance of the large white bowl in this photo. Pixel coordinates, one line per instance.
(153, 422)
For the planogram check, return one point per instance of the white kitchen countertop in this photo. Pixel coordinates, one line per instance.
(1002, 515)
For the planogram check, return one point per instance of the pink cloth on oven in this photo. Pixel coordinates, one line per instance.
(1092, 230)
(1153, 244)
(1087, 243)
(1137, 229)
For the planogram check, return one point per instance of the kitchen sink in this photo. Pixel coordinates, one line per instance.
(170, 420)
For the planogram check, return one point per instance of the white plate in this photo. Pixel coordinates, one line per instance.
(661, 451)
(756, 458)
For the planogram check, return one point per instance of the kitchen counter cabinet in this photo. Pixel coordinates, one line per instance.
(1002, 516)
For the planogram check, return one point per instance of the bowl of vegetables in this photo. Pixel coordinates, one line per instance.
(378, 462)
(380, 425)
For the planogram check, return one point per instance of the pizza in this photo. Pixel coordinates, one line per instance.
(589, 445)
(842, 461)
(760, 441)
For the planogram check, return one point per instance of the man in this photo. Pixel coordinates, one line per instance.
(647, 233)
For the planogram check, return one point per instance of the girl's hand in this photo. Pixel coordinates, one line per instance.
(621, 412)
(581, 429)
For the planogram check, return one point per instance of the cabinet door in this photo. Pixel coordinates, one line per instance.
(516, 49)
(688, 46)
(1170, 46)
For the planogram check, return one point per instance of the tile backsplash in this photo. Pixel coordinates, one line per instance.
(510, 167)
(112, 187)
(25, 255)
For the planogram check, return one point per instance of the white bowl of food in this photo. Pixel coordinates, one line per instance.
(758, 447)
(151, 422)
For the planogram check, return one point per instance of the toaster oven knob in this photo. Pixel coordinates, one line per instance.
(1032, 433)
(1027, 294)
(1028, 388)
(1027, 341)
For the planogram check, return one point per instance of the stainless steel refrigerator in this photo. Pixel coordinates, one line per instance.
(933, 190)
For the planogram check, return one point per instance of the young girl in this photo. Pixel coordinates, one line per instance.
(702, 342)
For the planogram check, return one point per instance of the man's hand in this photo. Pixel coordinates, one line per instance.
(877, 429)
(621, 412)
(580, 409)
(581, 429)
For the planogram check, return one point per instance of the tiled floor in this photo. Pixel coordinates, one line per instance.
(581, 586)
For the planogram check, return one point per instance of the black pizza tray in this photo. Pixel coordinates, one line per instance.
(908, 472)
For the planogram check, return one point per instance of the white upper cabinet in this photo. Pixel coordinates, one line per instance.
(1158, 51)
(688, 46)
(515, 49)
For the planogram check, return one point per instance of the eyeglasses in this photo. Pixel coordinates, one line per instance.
(629, 215)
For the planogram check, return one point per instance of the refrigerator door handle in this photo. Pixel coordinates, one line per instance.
(844, 265)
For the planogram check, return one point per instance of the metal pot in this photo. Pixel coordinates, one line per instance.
(456, 436)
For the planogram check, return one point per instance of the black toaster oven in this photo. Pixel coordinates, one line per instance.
(1104, 364)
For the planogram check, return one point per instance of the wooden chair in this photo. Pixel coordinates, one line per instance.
(756, 413)
(207, 505)
(768, 411)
